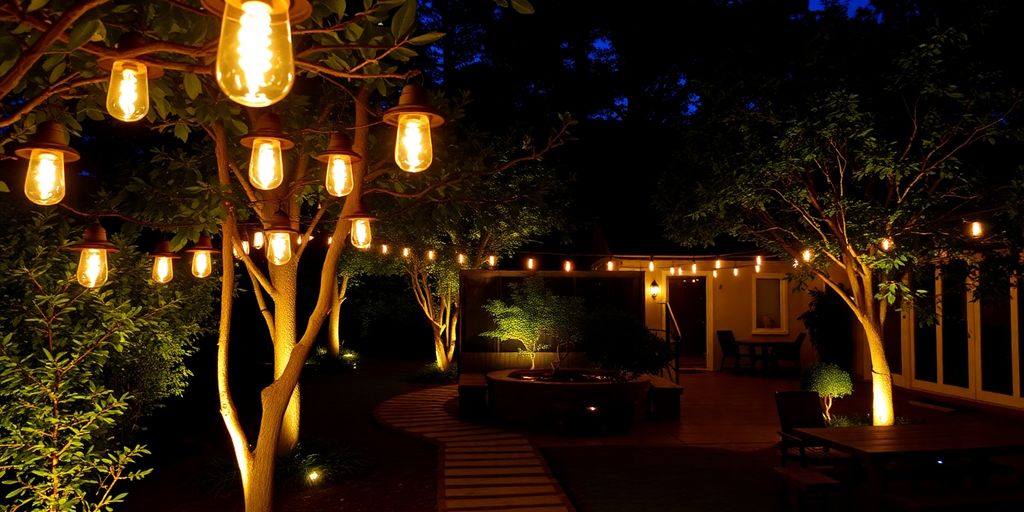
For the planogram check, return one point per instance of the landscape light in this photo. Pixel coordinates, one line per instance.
(414, 118)
(46, 152)
(92, 260)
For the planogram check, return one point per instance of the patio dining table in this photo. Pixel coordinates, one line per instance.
(875, 447)
(761, 350)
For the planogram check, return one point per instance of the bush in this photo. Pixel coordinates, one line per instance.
(620, 343)
(313, 463)
(433, 374)
(321, 359)
(829, 381)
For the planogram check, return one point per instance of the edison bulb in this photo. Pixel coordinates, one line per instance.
(245, 246)
(255, 66)
(163, 269)
(610, 265)
(361, 236)
(92, 268)
(339, 175)
(413, 151)
(266, 170)
(279, 247)
(567, 266)
(462, 258)
(492, 260)
(201, 264)
(258, 240)
(529, 263)
(44, 184)
(128, 94)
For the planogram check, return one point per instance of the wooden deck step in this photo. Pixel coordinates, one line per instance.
(457, 504)
(496, 480)
(523, 509)
(523, 470)
(489, 456)
(507, 463)
(508, 490)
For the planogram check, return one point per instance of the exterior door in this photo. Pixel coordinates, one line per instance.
(687, 296)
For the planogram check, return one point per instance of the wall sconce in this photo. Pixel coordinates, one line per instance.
(655, 290)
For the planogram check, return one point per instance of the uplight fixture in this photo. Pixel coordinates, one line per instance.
(414, 118)
(339, 157)
(266, 165)
(92, 260)
(46, 152)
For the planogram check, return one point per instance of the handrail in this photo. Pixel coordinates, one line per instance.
(674, 365)
(672, 316)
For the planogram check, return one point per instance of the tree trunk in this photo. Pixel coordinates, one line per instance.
(334, 324)
(440, 353)
(284, 279)
(881, 379)
(259, 494)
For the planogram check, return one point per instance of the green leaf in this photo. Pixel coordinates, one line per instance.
(82, 33)
(339, 7)
(57, 72)
(403, 19)
(181, 131)
(424, 39)
(192, 86)
(522, 6)
(3, 187)
(35, 5)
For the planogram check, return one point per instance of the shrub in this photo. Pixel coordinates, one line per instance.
(620, 343)
(829, 381)
(537, 318)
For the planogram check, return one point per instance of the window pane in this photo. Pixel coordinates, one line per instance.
(768, 311)
(996, 355)
(925, 363)
(953, 304)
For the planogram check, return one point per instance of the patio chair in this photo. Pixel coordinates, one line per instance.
(731, 349)
(789, 352)
(801, 409)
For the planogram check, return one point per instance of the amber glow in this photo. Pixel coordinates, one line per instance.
(128, 93)
(258, 240)
(693, 268)
(529, 263)
(266, 170)
(757, 260)
(245, 246)
(360, 235)
(977, 229)
(650, 266)
(714, 273)
(881, 400)
(462, 258)
(807, 255)
(655, 290)
(887, 244)
(757, 269)
(405, 252)
(431, 255)
(384, 249)
(92, 268)
(735, 271)
(610, 265)
(201, 264)
(339, 175)
(44, 184)
(163, 269)
(279, 247)
(567, 265)
(672, 271)
(255, 66)
(413, 151)
(492, 260)
(718, 263)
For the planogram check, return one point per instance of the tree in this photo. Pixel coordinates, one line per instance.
(343, 59)
(862, 166)
(71, 366)
(829, 381)
(535, 317)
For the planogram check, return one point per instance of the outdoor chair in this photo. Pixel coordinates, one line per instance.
(789, 352)
(801, 409)
(731, 349)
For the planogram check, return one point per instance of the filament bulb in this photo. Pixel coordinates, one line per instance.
(163, 269)
(360, 235)
(128, 94)
(413, 151)
(266, 170)
(339, 176)
(201, 265)
(92, 268)
(279, 247)
(255, 66)
(44, 184)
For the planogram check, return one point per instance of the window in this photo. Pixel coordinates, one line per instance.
(770, 306)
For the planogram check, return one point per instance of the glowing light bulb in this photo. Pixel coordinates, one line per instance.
(245, 246)
(163, 269)
(201, 264)
(279, 247)
(807, 255)
(413, 151)
(714, 273)
(462, 258)
(655, 290)
(405, 252)
(431, 255)
(693, 268)
(650, 266)
(735, 271)
(384, 248)
(757, 269)
(330, 240)
(610, 265)
(339, 176)
(313, 476)
(977, 229)
(44, 184)
(92, 268)
(128, 94)
(258, 240)
(492, 260)
(757, 261)
(529, 263)
(718, 263)
(360, 234)
(887, 244)
(255, 66)
(266, 170)
(672, 271)
(567, 265)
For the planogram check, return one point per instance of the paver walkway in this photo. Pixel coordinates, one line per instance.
(484, 468)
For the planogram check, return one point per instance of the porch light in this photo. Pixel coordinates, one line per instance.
(255, 65)
(163, 262)
(92, 259)
(258, 239)
(202, 257)
(414, 118)
(46, 151)
(339, 157)
(279, 239)
(360, 235)
(977, 229)
(655, 290)
(266, 166)
(567, 265)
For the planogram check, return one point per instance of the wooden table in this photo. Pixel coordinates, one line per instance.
(875, 447)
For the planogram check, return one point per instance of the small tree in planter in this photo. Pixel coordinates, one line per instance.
(829, 381)
(536, 317)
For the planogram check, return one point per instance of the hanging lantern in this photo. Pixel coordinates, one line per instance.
(266, 166)
(46, 151)
(163, 262)
(360, 235)
(414, 118)
(92, 260)
(202, 256)
(339, 157)
(279, 239)
(384, 248)
(529, 263)
(255, 65)
(655, 290)
(258, 239)
(128, 92)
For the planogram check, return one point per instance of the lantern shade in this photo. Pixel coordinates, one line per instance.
(266, 165)
(47, 152)
(339, 157)
(414, 118)
(92, 261)
(413, 101)
(361, 234)
(255, 64)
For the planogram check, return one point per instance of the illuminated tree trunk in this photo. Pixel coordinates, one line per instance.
(284, 279)
(334, 324)
(881, 379)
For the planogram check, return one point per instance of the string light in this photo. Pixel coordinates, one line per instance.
(92, 259)
(567, 265)
(414, 118)
(384, 248)
(735, 271)
(462, 258)
(529, 263)
(431, 254)
(672, 271)
(258, 239)
(693, 268)
(360, 235)
(650, 264)
(714, 273)
(718, 263)
(887, 244)
(202, 256)
(266, 166)
(46, 152)
(405, 252)
(279, 239)
(757, 269)
(757, 261)
(610, 265)
(339, 157)
(163, 262)
(977, 229)
(807, 255)
(492, 260)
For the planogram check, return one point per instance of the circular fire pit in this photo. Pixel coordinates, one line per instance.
(575, 400)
